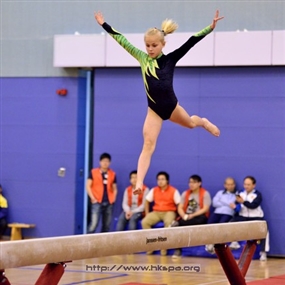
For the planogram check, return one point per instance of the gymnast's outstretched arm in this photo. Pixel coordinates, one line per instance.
(135, 52)
(193, 40)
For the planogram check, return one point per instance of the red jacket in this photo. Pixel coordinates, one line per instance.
(202, 192)
(164, 200)
(97, 187)
(130, 195)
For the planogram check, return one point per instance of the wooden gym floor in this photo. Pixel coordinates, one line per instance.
(211, 272)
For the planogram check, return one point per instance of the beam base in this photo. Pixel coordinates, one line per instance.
(51, 274)
(3, 279)
(234, 271)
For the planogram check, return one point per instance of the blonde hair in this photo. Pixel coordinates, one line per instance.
(168, 26)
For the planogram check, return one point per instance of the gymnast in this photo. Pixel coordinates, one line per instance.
(157, 72)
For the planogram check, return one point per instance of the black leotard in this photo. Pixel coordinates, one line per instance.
(158, 72)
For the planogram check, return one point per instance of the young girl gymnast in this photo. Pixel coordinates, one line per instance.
(157, 72)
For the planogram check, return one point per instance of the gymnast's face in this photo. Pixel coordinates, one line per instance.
(153, 45)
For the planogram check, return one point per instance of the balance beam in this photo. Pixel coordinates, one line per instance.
(68, 248)
(51, 250)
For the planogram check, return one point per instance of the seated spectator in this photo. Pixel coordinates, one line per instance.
(224, 204)
(133, 205)
(194, 208)
(248, 207)
(165, 198)
(3, 213)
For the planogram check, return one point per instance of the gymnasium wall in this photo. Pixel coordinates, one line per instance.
(41, 132)
(247, 104)
(28, 28)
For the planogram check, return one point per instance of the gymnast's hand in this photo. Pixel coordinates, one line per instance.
(99, 18)
(216, 19)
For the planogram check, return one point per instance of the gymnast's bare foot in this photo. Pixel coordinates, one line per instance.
(211, 128)
(137, 191)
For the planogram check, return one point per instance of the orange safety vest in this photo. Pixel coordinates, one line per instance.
(202, 192)
(97, 187)
(130, 195)
(164, 200)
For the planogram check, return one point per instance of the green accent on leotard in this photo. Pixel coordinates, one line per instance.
(148, 64)
(204, 32)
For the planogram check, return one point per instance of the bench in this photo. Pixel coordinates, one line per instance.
(16, 230)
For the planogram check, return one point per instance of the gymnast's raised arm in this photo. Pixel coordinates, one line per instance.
(180, 52)
(135, 52)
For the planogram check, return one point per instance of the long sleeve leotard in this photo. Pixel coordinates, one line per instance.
(158, 72)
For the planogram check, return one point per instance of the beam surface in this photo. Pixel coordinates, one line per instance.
(67, 248)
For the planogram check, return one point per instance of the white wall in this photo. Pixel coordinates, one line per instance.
(217, 49)
(28, 28)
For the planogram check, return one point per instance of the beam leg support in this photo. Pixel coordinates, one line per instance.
(51, 274)
(246, 256)
(3, 279)
(229, 265)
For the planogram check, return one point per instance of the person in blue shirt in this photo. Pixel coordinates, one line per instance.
(224, 204)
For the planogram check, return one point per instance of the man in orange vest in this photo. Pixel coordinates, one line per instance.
(165, 198)
(133, 205)
(102, 190)
(194, 208)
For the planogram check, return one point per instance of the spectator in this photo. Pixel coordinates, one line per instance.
(3, 213)
(133, 205)
(248, 207)
(224, 204)
(194, 207)
(165, 198)
(102, 190)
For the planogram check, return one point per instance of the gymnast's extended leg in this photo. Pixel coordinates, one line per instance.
(181, 117)
(151, 130)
